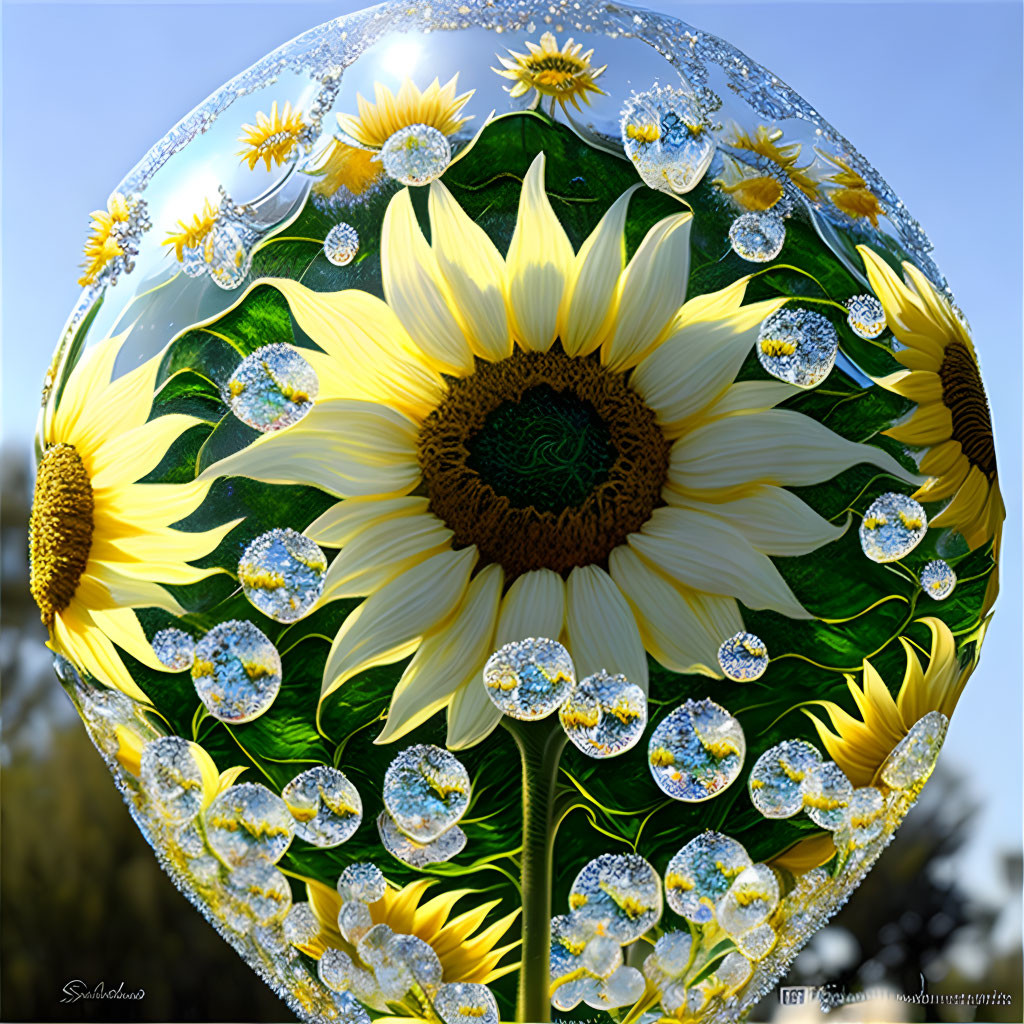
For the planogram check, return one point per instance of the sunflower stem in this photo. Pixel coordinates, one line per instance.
(540, 750)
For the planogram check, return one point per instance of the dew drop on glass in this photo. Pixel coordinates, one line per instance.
(400, 962)
(912, 760)
(865, 316)
(758, 942)
(272, 388)
(757, 237)
(418, 855)
(416, 154)
(529, 679)
(581, 946)
(621, 889)
(892, 527)
(282, 574)
(341, 246)
(325, 805)
(623, 988)
(743, 657)
(335, 969)
(700, 874)
(248, 822)
(864, 820)
(426, 791)
(665, 134)
(749, 901)
(466, 1002)
(938, 579)
(174, 649)
(354, 921)
(604, 715)
(697, 751)
(798, 346)
(263, 889)
(776, 780)
(363, 882)
(826, 792)
(301, 926)
(236, 672)
(171, 778)
(666, 967)
(227, 251)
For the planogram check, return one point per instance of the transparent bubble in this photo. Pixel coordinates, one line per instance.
(350, 1010)
(749, 901)
(777, 777)
(171, 778)
(620, 890)
(743, 657)
(325, 805)
(236, 672)
(912, 760)
(798, 346)
(697, 751)
(363, 882)
(418, 855)
(335, 969)
(466, 1002)
(272, 388)
(354, 921)
(246, 822)
(175, 649)
(734, 971)
(623, 988)
(826, 792)
(864, 821)
(938, 579)
(892, 527)
(193, 263)
(665, 969)
(757, 237)
(264, 890)
(665, 134)
(416, 154)
(341, 244)
(282, 574)
(301, 926)
(426, 791)
(604, 715)
(227, 251)
(529, 679)
(758, 942)
(399, 962)
(701, 873)
(865, 316)
(579, 944)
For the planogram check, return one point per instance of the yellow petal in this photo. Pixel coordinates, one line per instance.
(533, 607)
(472, 715)
(967, 508)
(930, 424)
(341, 522)
(750, 396)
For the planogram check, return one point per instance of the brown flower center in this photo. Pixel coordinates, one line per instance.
(60, 529)
(964, 395)
(543, 461)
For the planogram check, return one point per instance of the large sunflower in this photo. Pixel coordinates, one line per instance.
(952, 417)
(550, 444)
(100, 543)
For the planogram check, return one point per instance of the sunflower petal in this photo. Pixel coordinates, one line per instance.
(533, 607)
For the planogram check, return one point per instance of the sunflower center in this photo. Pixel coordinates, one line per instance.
(964, 395)
(543, 461)
(556, 72)
(60, 529)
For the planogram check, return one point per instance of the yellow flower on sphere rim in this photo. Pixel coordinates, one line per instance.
(272, 138)
(765, 143)
(100, 543)
(563, 74)
(189, 235)
(952, 417)
(342, 166)
(102, 247)
(654, 500)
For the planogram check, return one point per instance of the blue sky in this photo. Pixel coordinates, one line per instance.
(929, 92)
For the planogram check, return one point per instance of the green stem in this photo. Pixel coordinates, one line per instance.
(540, 749)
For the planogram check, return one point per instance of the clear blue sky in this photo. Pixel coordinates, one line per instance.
(929, 92)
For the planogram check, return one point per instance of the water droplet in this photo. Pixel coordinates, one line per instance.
(416, 154)
(777, 777)
(864, 820)
(227, 251)
(798, 346)
(582, 956)
(912, 760)
(938, 579)
(665, 134)
(236, 672)
(701, 873)
(206, 870)
(193, 263)
(363, 882)
(335, 969)
(697, 751)
(466, 1002)
(172, 778)
(400, 962)
(272, 388)
(826, 792)
(623, 891)
(190, 840)
(282, 574)
(749, 901)
(743, 657)
(444, 847)
(175, 649)
(350, 1010)
(529, 679)
(865, 316)
(354, 921)
(301, 926)
(758, 942)
(341, 244)
(248, 822)
(264, 890)
(892, 527)
(325, 805)
(666, 969)
(734, 971)
(757, 237)
(426, 791)
(604, 715)
(623, 988)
